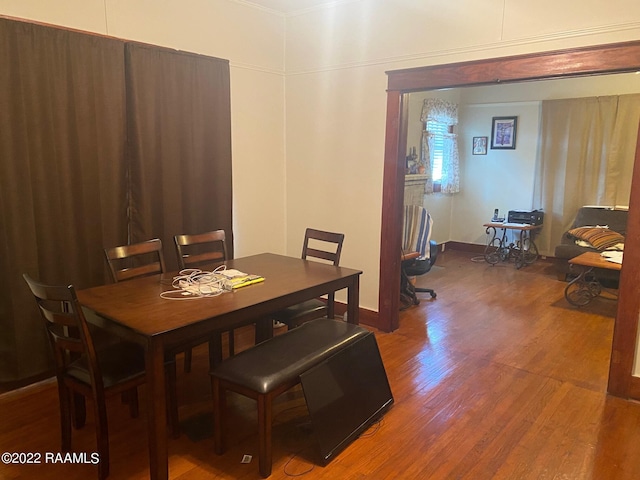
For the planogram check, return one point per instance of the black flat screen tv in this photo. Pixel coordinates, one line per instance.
(345, 394)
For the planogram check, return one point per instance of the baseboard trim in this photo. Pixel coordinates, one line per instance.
(18, 388)
(479, 249)
(367, 317)
(463, 247)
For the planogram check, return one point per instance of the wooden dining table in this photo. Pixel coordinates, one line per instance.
(136, 311)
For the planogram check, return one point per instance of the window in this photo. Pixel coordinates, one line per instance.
(438, 130)
(439, 152)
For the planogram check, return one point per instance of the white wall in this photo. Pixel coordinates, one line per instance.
(335, 60)
(502, 179)
(340, 52)
(334, 172)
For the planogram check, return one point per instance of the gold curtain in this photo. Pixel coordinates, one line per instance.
(586, 157)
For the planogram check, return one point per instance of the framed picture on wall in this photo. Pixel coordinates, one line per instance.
(480, 145)
(503, 132)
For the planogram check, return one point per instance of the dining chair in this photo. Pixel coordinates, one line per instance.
(326, 247)
(137, 260)
(82, 369)
(201, 249)
(208, 250)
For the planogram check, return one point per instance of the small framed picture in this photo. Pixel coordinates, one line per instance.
(480, 145)
(503, 132)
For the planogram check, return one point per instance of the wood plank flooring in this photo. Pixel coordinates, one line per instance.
(497, 378)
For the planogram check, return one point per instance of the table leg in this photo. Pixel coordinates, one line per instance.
(520, 251)
(528, 248)
(531, 250)
(580, 291)
(157, 412)
(264, 329)
(353, 301)
(494, 251)
(331, 305)
(215, 350)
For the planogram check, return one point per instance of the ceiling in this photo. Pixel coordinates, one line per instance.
(290, 6)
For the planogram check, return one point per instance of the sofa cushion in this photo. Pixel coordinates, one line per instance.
(614, 219)
(601, 238)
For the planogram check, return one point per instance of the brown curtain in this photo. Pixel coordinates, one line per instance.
(101, 143)
(179, 145)
(62, 173)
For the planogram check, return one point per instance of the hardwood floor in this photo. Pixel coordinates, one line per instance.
(497, 378)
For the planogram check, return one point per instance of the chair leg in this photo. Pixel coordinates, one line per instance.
(219, 407)
(215, 350)
(102, 437)
(407, 292)
(331, 301)
(172, 401)
(79, 410)
(132, 400)
(188, 355)
(64, 398)
(264, 434)
(430, 291)
(232, 343)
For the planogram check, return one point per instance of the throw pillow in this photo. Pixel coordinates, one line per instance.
(600, 237)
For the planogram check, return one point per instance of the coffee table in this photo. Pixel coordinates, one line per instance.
(586, 286)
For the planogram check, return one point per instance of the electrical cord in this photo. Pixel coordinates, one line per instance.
(370, 432)
(373, 429)
(295, 455)
(193, 283)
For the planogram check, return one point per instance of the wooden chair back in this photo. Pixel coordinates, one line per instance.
(322, 245)
(197, 250)
(67, 329)
(79, 373)
(326, 246)
(200, 249)
(135, 260)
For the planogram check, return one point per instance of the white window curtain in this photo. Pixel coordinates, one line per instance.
(444, 113)
(586, 157)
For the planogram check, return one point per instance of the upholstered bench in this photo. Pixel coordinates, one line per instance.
(271, 368)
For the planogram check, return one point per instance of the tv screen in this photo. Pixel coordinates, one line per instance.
(345, 394)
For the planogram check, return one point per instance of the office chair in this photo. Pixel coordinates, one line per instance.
(319, 245)
(419, 253)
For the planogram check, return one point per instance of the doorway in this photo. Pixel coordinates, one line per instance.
(598, 60)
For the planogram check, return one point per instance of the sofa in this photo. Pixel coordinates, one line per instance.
(575, 241)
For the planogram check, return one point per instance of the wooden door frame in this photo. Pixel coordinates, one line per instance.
(593, 60)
